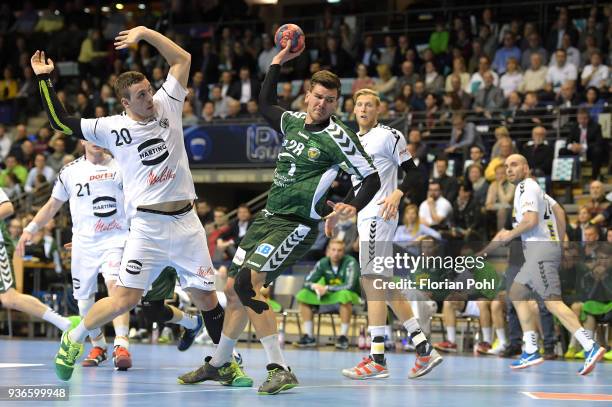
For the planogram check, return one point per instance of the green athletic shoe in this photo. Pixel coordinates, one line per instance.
(278, 380)
(74, 321)
(229, 374)
(66, 357)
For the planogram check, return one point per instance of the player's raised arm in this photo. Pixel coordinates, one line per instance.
(178, 59)
(268, 98)
(58, 117)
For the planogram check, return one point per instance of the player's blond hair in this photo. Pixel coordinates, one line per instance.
(367, 92)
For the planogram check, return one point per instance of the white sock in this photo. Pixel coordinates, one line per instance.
(79, 333)
(388, 332)
(412, 325)
(531, 341)
(223, 353)
(487, 334)
(377, 348)
(273, 350)
(451, 334)
(308, 328)
(501, 335)
(59, 321)
(584, 337)
(188, 321)
(121, 336)
(98, 340)
(344, 328)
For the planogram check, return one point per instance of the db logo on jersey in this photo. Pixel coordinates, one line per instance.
(153, 152)
(133, 267)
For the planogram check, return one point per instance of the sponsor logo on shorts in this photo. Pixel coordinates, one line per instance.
(252, 263)
(133, 267)
(76, 283)
(205, 271)
(153, 151)
(104, 206)
(239, 256)
(264, 249)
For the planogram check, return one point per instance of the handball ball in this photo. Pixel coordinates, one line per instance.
(292, 33)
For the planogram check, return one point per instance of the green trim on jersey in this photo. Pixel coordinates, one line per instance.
(308, 164)
(7, 248)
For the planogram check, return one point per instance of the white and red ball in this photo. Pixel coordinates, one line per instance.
(290, 32)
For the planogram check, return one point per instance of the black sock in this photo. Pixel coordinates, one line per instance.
(379, 357)
(422, 348)
(213, 321)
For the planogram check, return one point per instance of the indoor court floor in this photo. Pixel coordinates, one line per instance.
(460, 380)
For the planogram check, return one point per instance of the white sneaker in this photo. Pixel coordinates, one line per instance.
(497, 350)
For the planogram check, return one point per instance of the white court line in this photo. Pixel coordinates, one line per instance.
(528, 394)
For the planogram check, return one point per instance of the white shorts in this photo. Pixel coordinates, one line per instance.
(376, 244)
(87, 262)
(156, 241)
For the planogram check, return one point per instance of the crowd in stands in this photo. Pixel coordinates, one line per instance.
(526, 84)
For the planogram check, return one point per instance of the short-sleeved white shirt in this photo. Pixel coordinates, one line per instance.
(443, 209)
(151, 155)
(529, 197)
(97, 207)
(387, 148)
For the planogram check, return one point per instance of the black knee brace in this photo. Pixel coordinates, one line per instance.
(244, 289)
(156, 311)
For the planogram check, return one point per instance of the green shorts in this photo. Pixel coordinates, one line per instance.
(7, 275)
(163, 286)
(272, 244)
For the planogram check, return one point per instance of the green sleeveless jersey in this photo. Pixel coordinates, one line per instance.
(308, 164)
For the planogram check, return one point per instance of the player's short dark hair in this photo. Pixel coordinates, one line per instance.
(327, 79)
(124, 81)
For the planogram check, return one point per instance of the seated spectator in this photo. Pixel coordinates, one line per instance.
(421, 149)
(13, 167)
(505, 150)
(266, 55)
(234, 109)
(477, 79)
(412, 230)
(459, 92)
(477, 156)
(385, 85)
(208, 112)
(335, 58)
(448, 183)
(500, 196)
(389, 54)
(205, 213)
(363, 80)
(215, 230)
(15, 230)
(417, 102)
(13, 187)
(534, 79)
(593, 104)
(434, 82)
(459, 70)
(589, 49)
(528, 116)
(539, 153)
(229, 240)
(436, 210)
(512, 79)
(585, 141)
(333, 281)
(480, 186)
(252, 110)
(567, 102)
(576, 233)
(467, 223)
(40, 168)
(534, 47)
(408, 77)
(428, 119)
(507, 51)
(438, 40)
(597, 202)
(8, 86)
(595, 74)
(463, 135)
(245, 88)
(559, 72)
(369, 55)
(400, 108)
(299, 104)
(573, 55)
(200, 91)
(220, 102)
(488, 98)
(56, 159)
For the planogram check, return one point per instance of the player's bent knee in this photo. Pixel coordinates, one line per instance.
(246, 293)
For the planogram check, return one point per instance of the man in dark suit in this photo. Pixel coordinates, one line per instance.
(229, 240)
(208, 63)
(336, 59)
(585, 140)
(245, 88)
(538, 152)
(369, 55)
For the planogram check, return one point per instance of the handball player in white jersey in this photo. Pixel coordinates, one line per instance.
(94, 187)
(147, 143)
(540, 222)
(377, 223)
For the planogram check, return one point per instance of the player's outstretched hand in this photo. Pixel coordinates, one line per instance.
(286, 55)
(40, 64)
(25, 238)
(129, 37)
